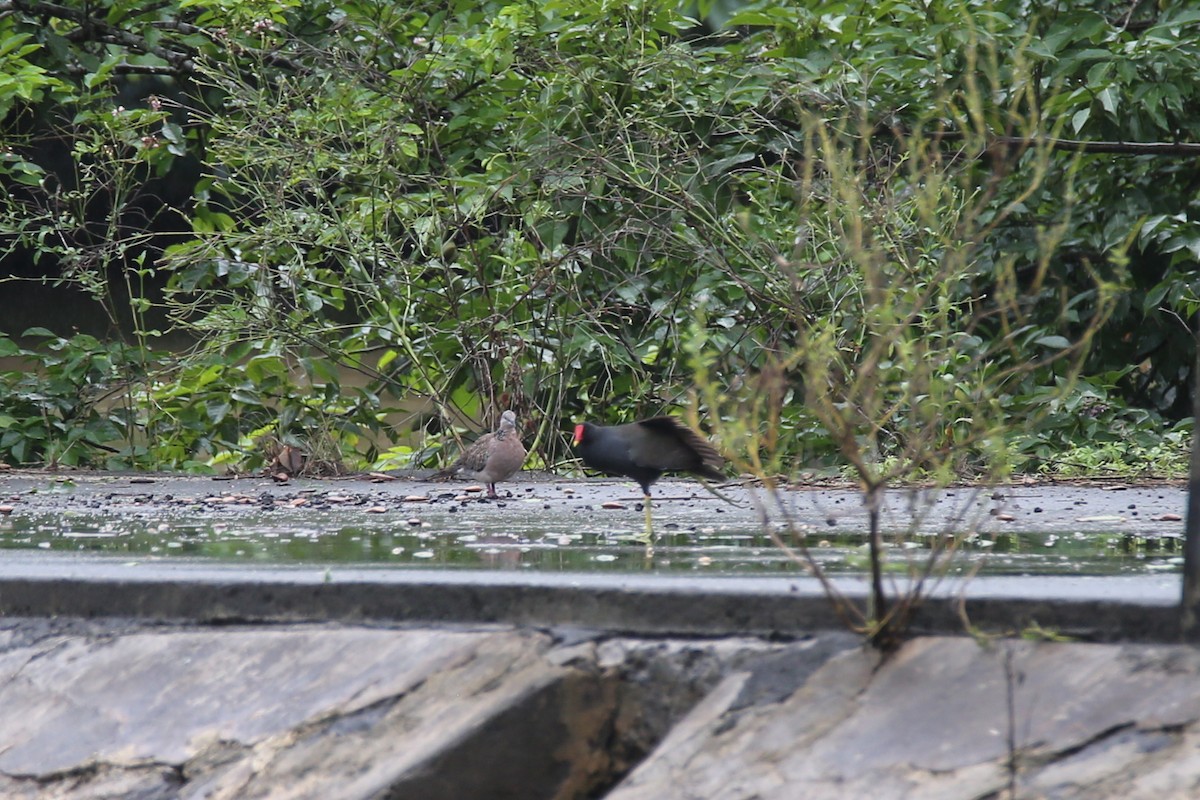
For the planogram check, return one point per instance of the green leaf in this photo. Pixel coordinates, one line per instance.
(388, 357)
(1154, 298)
(1108, 99)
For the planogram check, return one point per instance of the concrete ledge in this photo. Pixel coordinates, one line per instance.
(1101, 609)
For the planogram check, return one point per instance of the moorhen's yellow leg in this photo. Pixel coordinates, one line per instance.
(649, 523)
(648, 534)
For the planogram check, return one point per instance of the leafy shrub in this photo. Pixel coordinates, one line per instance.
(61, 401)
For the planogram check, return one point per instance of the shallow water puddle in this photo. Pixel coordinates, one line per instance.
(476, 536)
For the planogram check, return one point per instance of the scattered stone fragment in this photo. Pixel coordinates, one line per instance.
(416, 498)
(380, 477)
(1101, 518)
(141, 479)
(1169, 518)
(339, 498)
(6, 510)
(1005, 517)
(296, 502)
(377, 510)
(473, 489)
(414, 520)
(612, 504)
(280, 477)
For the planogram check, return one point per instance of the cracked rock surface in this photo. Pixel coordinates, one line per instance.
(109, 709)
(948, 718)
(150, 711)
(315, 711)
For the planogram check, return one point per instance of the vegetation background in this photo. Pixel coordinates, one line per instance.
(847, 234)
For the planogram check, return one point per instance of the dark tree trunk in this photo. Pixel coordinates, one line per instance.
(1190, 607)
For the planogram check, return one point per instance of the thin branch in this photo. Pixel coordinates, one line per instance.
(126, 69)
(1189, 149)
(96, 29)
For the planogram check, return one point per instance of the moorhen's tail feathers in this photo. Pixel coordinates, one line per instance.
(695, 454)
(646, 449)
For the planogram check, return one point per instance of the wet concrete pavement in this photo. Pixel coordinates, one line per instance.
(545, 503)
(630, 593)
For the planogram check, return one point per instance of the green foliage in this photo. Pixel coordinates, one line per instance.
(552, 269)
(531, 205)
(79, 401)
(58, 404)
(1086, 433)
(233, 411)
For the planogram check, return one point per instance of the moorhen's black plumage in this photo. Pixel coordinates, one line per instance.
(645, 450)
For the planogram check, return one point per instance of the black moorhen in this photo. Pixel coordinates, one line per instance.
(645, 450)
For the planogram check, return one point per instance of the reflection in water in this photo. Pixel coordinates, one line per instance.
(564, 544)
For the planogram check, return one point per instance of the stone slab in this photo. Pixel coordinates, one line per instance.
(127, 709)
(300, 713)
(949, 718)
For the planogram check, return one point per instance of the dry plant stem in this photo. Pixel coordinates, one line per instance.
(945, 544)
(847, 613)
(880, 627)
(873, 498)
